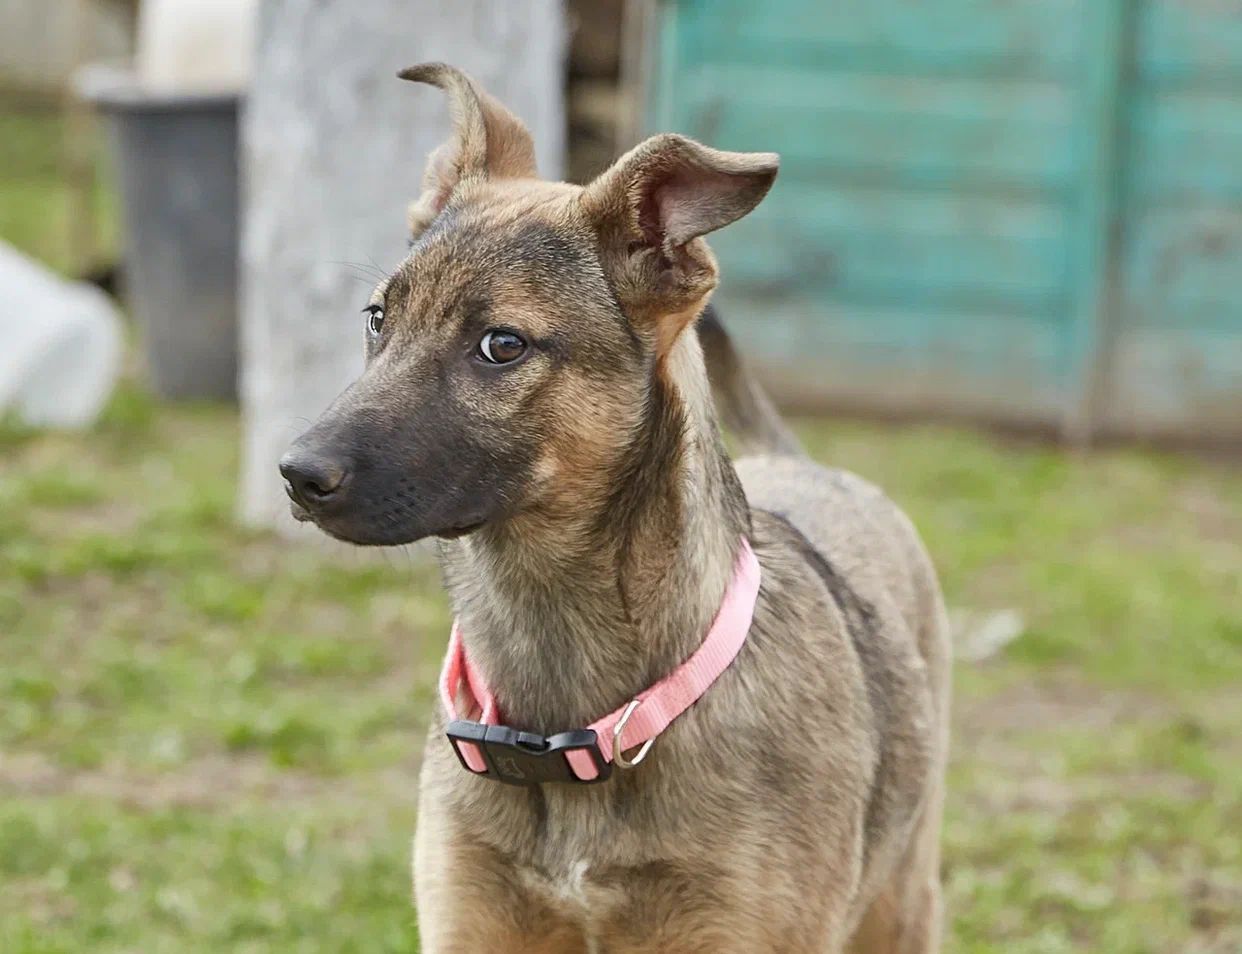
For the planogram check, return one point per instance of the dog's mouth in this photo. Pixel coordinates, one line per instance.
(366, 535)
(462, 531)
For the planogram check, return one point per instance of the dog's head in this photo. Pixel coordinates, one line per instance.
(510, 356)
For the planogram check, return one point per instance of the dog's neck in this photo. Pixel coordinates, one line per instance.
(569, 619)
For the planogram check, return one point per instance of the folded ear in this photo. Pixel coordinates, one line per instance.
(488, 142)
(652, 207)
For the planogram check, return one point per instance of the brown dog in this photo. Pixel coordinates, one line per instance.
(536, 398)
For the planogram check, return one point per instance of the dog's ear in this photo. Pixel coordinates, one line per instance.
(651, 210)
(488, 141)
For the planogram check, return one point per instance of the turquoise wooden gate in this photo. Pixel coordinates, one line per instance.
(1029, 210)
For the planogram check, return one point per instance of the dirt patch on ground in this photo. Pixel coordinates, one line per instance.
(206, 783)
(1053, 699)
(1001, 733)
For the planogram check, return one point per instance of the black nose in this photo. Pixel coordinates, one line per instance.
(312, 480)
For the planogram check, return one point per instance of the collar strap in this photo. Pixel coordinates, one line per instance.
(486, 747)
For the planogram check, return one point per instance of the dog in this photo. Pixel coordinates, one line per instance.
(543, 391)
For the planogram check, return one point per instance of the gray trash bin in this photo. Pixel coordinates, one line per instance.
(175, 157)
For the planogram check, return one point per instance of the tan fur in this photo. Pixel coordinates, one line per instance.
(490, 142)
(795, 808)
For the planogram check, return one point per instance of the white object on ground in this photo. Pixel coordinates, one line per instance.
(979, 634)
(195, 46)
(60, 345)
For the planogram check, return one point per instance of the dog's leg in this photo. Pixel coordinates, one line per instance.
(906, 917)
(469, 901)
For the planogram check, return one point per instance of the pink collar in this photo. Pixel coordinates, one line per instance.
(485, 747)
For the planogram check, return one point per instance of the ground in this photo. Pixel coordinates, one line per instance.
(209, 737)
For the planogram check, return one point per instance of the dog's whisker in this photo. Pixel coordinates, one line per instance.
(366, 274)
(385, 274)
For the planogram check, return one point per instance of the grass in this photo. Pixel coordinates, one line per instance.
(209, 737)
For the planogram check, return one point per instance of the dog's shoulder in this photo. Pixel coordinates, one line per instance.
(848, 565)
(843, 519)
(831, 536)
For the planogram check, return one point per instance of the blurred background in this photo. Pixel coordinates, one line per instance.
(1000, 274)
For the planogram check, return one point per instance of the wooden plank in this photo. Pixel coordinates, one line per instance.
(932, 215)
(903, 357)
(838, 90)
(1177, 381)
(997, 344)
(1186, 146)
(1183, 269)
(1177, 360)
(949, 37)
(1107, 27)
(1177, 366)
(919, 133)
(839, 247)
(1183, 43)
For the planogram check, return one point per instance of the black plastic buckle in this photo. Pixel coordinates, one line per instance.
(527, 758)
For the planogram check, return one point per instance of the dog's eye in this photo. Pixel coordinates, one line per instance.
(501, 347)
(375, 318)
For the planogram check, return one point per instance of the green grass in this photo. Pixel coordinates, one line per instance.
(210, 736)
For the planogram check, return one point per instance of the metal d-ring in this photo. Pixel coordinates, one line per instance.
(618, 759)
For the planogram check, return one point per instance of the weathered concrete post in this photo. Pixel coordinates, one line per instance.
(333, 146)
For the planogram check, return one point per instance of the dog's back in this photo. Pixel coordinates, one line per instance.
(874, 566)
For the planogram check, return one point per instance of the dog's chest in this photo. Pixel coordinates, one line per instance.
(574, 892)
(573, 856)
